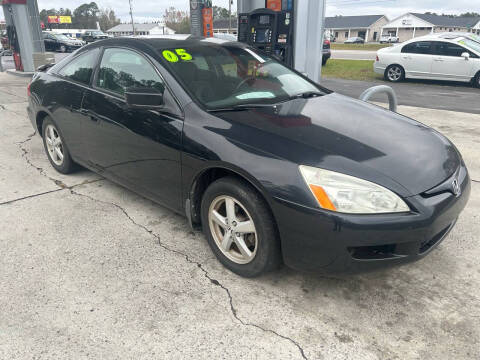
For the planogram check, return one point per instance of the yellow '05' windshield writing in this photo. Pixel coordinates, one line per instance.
(176, 55)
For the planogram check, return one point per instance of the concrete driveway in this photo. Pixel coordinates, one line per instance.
(90, 270)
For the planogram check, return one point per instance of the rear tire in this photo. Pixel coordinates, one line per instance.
(476, 81)
(55, 147)
(394, 73)
(228, 206)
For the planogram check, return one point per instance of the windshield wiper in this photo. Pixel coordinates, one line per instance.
(243, 107)
(307, 95)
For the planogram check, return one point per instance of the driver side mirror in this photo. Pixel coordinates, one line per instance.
(139, 97)
(466, 56)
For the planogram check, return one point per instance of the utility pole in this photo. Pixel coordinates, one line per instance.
(230, 16)
(131, 16)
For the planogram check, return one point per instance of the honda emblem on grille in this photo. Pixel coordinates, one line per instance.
(456, 187)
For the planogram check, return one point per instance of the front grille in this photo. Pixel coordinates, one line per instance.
(379, 252)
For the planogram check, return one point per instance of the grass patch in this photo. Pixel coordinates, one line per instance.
(364, 47)
(350, 69)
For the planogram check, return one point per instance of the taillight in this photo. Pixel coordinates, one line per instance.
(378, 58)
(28, 89)
(327, 42)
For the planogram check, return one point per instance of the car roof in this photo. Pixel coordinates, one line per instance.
(438, 36)
(166, 41)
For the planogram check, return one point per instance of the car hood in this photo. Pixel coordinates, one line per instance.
(343, 134)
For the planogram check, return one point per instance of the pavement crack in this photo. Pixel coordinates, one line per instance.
(476, 181)
(48, 192)
(2, 107)
(29, 196)
(213, 281)
(39, 169)
(235, 314)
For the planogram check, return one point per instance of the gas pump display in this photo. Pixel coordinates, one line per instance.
(269, 30)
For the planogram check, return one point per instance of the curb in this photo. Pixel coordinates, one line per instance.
(19, 73)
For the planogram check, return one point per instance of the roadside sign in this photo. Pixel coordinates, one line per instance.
(55, 19)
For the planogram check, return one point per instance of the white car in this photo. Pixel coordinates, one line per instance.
(389, 39)
(438, 57)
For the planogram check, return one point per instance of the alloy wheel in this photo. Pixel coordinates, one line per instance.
(233, 229)
(63, 48)
(54, 145)
(394, 73)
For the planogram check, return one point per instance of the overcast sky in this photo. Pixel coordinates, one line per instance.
(154, 9)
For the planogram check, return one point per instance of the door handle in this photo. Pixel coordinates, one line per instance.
(439, 59)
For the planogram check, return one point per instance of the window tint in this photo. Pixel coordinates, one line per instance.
(421, 47)
(81, 68)
(121, 69)
(235, 75)
(449, 49)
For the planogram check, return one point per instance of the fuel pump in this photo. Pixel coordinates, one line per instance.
(270, 30)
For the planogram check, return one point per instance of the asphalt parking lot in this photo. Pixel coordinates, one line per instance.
(90, 270)
(441, 95)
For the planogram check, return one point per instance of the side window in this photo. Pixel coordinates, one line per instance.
(449, 49)
(81, 68)
(121, 69)
(420, 47)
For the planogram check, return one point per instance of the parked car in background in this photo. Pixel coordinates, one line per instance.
(389, 39)
(60, 42)
(436, 57)
(228, 37)
(4, 40)
(355, 40)
(93, 35)
(327, 53)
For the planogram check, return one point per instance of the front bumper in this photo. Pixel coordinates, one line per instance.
(323, 241)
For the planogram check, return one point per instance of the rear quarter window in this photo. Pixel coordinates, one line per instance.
(80, 69)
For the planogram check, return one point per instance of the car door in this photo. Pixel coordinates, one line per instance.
(448, 63)
(416, 59)
(139, 148)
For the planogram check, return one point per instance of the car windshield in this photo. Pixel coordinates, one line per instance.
(97, 33)
(223, 76)
(475, 46)
(62, 37)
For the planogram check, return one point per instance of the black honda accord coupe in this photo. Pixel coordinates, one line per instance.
(273, 167)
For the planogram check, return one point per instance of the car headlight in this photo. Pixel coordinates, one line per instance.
(347, 194)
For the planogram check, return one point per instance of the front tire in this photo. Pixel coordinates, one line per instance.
(239, 228)
(56, 148)
(394, 73)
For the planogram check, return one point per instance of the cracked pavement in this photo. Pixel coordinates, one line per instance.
(91, 270)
